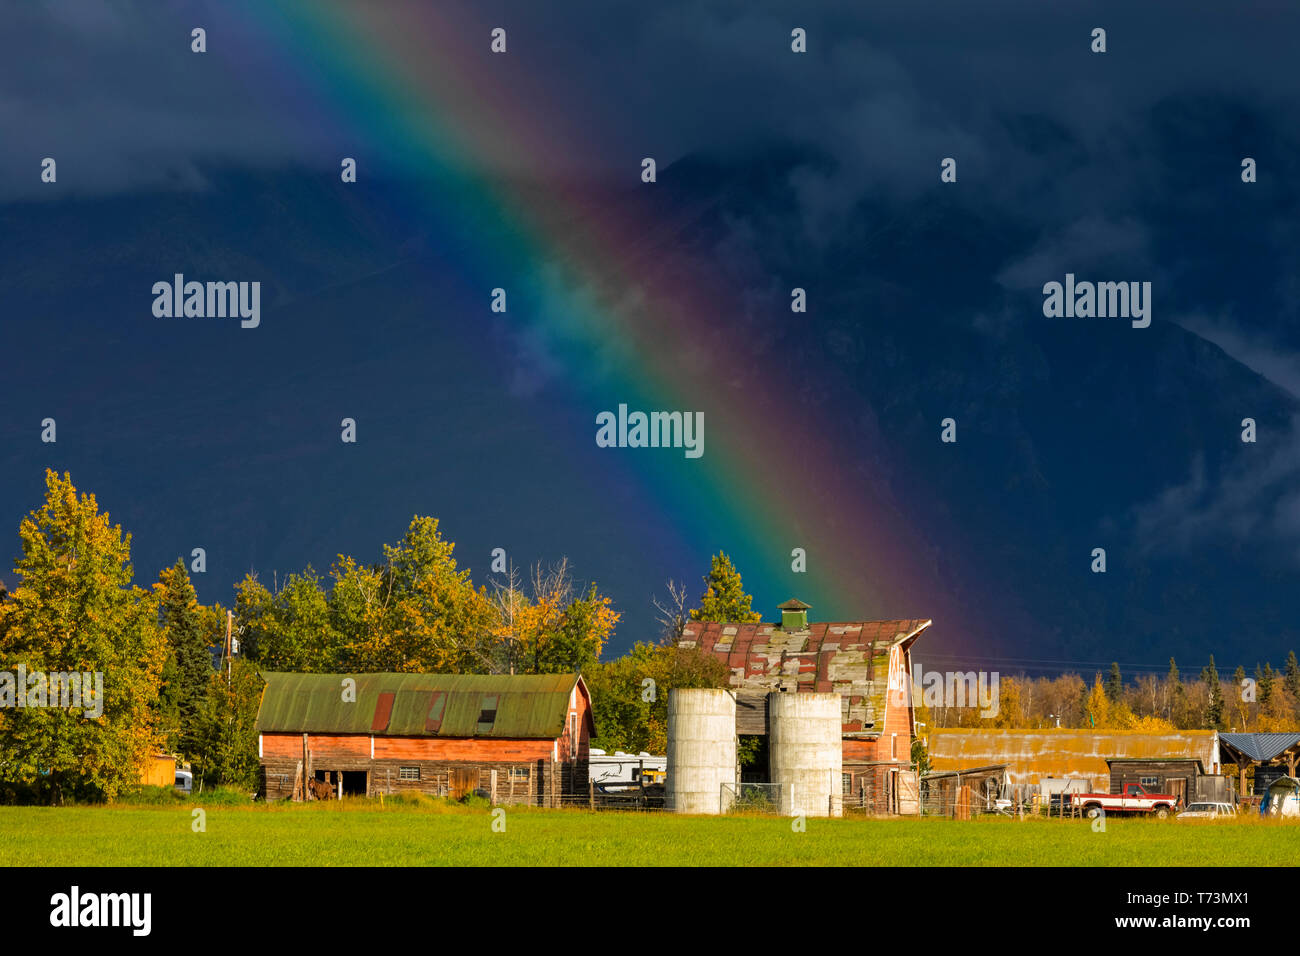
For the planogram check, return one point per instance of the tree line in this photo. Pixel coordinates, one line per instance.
(1265, 701)
(76, 606)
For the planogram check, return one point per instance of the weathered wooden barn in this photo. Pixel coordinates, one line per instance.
(1184, 778)
(515, 739)
(867, 663)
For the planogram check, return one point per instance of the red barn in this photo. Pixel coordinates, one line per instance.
(868, 663)
(517, 739)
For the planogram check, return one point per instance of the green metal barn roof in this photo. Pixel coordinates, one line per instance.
(423, 705)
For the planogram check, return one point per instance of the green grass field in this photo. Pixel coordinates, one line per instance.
(436, 833)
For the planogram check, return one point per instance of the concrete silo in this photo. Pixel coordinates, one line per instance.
(805, 754)
(701, 749)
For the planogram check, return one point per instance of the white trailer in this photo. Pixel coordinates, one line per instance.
(619, 769)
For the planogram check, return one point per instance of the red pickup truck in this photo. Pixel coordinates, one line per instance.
(1134, 799)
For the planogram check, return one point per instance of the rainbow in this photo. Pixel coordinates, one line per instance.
(417, 82)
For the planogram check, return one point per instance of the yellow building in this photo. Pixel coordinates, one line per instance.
(159, 771)
(1034, 755)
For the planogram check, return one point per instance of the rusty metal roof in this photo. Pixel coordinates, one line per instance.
(529, 706)
(850, 659)
(1033, 755)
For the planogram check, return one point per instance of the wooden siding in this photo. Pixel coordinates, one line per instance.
(536, 782)
(527, 771)
(159, 771)
(751, 713)
(859, 750)
(457, 749)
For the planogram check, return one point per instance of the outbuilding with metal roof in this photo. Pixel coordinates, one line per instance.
(1272, 755)
(513, 738)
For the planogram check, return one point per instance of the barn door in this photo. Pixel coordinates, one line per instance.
(1178, 788)
(909, 797)
(462, 782)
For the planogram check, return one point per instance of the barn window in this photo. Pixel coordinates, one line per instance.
(518, 773)
(573, 736)
(487, 715)
(846, 780)
(408, 773)
(1151, 782)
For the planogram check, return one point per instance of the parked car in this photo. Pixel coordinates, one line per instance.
(1134, 799)
(1208, 810)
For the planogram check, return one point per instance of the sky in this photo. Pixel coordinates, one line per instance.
(775, 170)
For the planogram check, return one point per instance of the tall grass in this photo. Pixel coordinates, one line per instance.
(418, 830)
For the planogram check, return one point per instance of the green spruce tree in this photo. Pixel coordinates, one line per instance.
(185, 679)
(1292, 679)
(724, 596)
(1177, 697)
(226, 728)
(1114, 684)
(1214, 709)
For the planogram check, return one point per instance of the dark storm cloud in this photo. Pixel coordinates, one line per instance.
(113, 90)
(113, 93)
(1095, 159)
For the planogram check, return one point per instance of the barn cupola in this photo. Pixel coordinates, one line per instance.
(794, 615)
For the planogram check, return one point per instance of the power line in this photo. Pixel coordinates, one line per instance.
(1040, 661)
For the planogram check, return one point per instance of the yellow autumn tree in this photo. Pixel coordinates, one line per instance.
(1276, 714)
(1096, 709)
(417, 612)
(76, 610)
(1010, 711)
(583, 631)
(1150, 724)
(552, 630)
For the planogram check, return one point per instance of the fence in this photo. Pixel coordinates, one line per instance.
(750, 798)
(869, 793)
(963, 800)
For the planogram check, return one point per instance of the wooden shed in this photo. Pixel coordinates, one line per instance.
(159, 770)
(959, 793)
(514, 739)
(1184, 778)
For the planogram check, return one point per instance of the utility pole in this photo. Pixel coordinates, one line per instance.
(230, 619)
